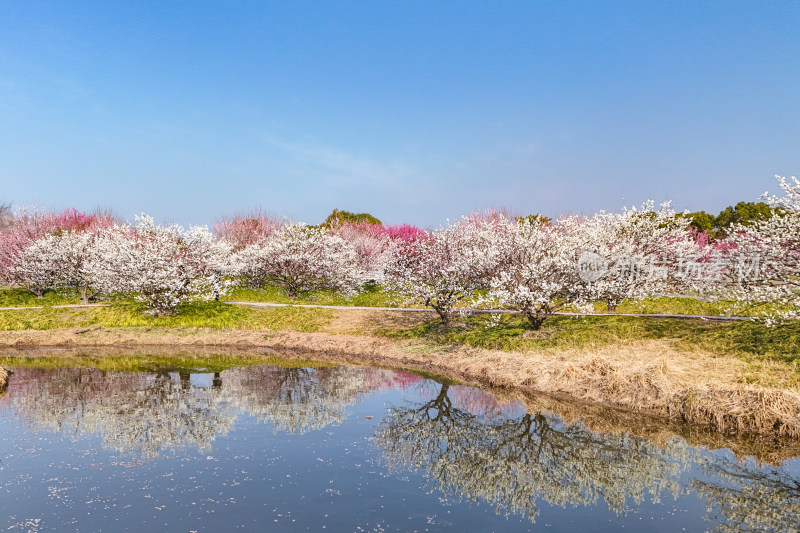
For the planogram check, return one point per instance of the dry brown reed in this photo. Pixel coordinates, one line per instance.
(650, 377)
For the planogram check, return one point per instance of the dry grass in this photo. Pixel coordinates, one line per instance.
(651, 376)
(3, 378)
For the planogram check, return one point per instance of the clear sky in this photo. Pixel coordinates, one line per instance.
(411, 111)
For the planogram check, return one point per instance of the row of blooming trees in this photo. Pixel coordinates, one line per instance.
(533, 265)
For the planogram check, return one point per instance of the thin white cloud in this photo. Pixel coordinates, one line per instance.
(345, 167)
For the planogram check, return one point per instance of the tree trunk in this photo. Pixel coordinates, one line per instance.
(84, 290)
(444, 315)
(536, 320)
(611, 306)
(186, 380)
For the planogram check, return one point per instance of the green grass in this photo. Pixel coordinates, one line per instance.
(513, 332)
(207, 315)
(377, 296)
(18, 297)
(177, 361)
(750, 340)
(370, 296)
(672, 305)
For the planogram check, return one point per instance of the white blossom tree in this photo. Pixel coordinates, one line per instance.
(444, 267)
(301, 259)
(34, 268)
(791, 199)
(537, 272)
(163, 266)
(58, 261)
(629, 255)
(759, 263)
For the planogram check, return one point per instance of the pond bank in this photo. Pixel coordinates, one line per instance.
(649, 376)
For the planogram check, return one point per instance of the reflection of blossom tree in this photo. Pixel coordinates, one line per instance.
(150, 413)
(300, 399)
(147, 413)
(741, 497)
(512, 463)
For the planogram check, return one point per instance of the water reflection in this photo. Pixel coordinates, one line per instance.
(152, 413)
(461, 439)
(147, 413)
(742, 497)
(515, 462)
(300, 399)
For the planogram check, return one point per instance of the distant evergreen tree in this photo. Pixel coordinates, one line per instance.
(341, 217)
(700, 220)
(745, 213)
(536, 218)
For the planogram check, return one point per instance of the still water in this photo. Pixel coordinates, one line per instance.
(270, 448)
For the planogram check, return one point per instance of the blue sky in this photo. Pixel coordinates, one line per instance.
(412, 111)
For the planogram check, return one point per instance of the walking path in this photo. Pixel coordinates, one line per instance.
(418, 310)
(487, 311)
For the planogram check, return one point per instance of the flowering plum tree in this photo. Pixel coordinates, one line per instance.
(443, 267)
(33, 268)
(404, 232)
(301, 259)
(57, 261)
(536, 272)
(629, 255)
(791, 199)
(25, 226)
(762, 259)
(42, 266)
(370, 242)
(242, 230)
(163, 266)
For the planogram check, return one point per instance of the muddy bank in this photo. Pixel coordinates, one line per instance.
(647, 376)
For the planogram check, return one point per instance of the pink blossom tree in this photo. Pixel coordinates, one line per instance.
(244, 229)
(371, 244)
(405, 232)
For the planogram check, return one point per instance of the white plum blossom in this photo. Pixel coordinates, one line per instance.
(163, 266)
(629, 255)
(791, 199)
(301, 259)
(537, 271)
(759, 262)
(444, 267)
(58, 261)
(764, 260)
(34, 268)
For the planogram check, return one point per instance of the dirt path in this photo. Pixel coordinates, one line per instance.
(422, 310)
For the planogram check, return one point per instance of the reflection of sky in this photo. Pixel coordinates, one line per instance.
(253, 478)
(202, 380)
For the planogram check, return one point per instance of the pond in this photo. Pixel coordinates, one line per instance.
(338, 448)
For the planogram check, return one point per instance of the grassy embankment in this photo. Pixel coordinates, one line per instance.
(736, 375)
